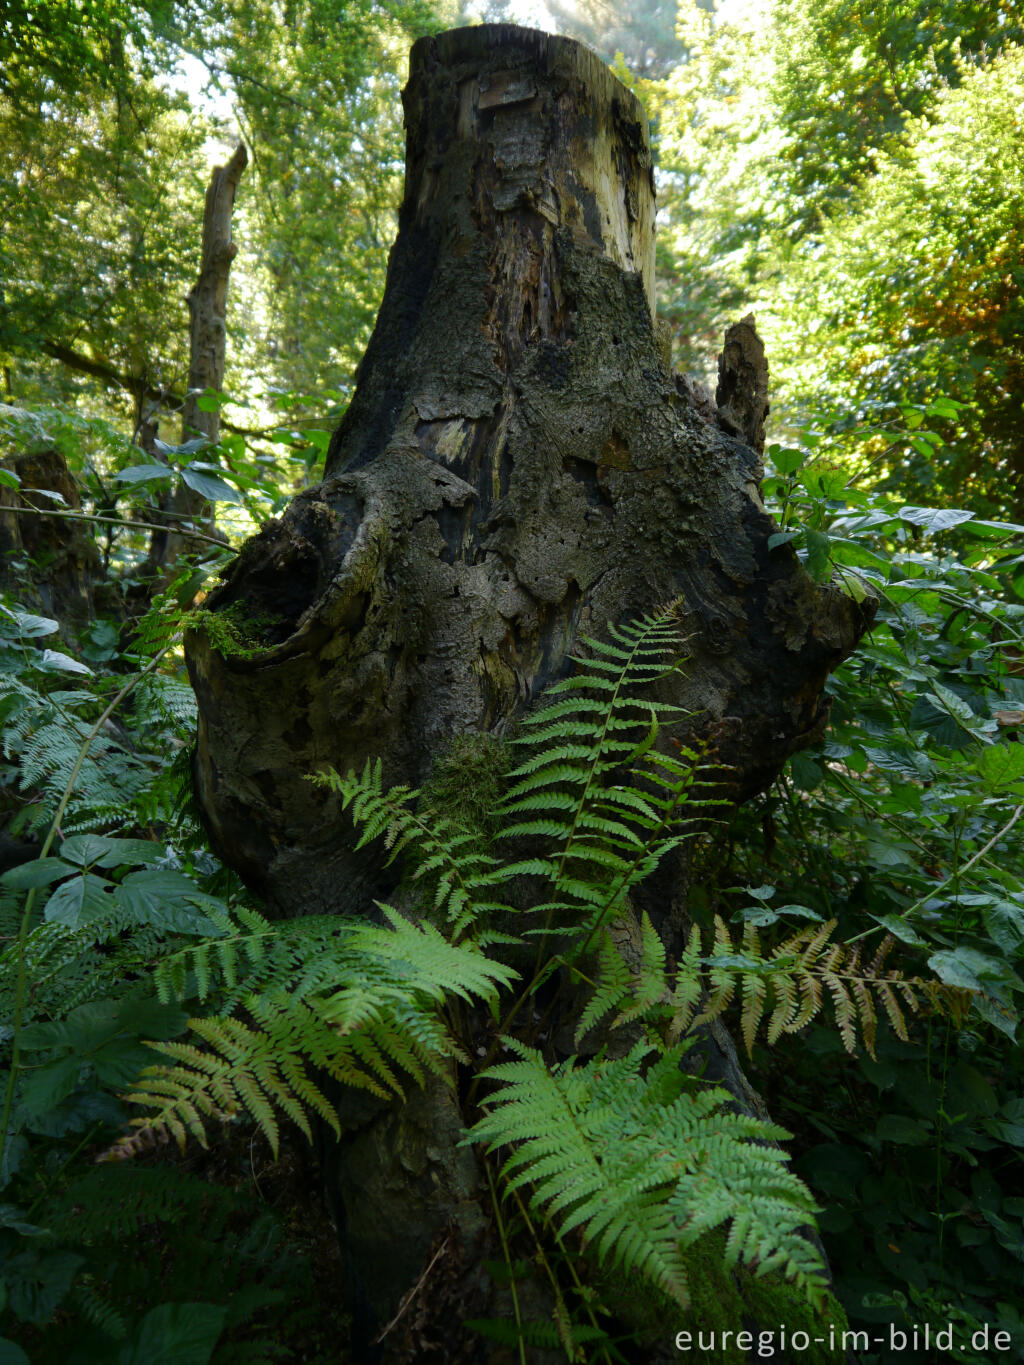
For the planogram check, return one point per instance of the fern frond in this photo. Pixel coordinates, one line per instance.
(794, 978)
(644, 1165)
(363, 1008)
(463, 874)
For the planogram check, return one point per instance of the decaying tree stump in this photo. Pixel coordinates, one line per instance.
(207, 311)
(517, 468)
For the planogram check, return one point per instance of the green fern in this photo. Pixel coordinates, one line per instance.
(644, 1164)
(593, 786)
(364, 1013)
(632, 1155)
(445, 854)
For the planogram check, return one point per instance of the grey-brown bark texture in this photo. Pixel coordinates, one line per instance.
(207, 311)
(517, 467)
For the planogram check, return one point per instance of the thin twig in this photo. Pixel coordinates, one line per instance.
(113, 521)
(956, 875)
(407, 1300)
(1018, 812)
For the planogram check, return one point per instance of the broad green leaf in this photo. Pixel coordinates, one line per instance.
(807, 774)
(13, 1217)
(39, 872)
(38, 1282)
(899, 928)
(53, 661)
(1001, 764)
(934, 519)
(143, 473)
(32, 627)
(818, 555)
(79, 902)
(45, 1086)
(210, 487)
(906, 1131)
(781, 538)
(967, 968)
(1005, 924)
(786, 459)
(175, 1334)
(162, 898)
(107, 850)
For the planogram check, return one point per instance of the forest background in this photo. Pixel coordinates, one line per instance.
(852, 174)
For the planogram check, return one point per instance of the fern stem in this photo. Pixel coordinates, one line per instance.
(508, 1261)
(21, 983)
(559, 1296)
(667, 819)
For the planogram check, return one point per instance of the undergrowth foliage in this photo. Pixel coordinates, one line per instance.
(620, 1151)
(633, 1153)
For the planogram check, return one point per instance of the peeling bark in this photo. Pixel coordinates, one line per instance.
(517, 467)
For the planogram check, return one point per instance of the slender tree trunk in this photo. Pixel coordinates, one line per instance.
(207, 306)
(517, 467)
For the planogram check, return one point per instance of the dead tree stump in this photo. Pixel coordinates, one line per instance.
(517, 468)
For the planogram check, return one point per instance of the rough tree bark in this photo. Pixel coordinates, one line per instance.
(48, 564)
(517, 467)
(207, 307)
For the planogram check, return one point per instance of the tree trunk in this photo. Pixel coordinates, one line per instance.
(517, 467)
(48, 564)
(207, 307)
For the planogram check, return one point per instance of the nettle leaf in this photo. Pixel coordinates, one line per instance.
(781, 538)
(786, 459)
(1004, 921)
(143, 473)
(186, 448)
(209, 486)
(935, 519)
(98, 1023)
(899, 1128)
(46, 1086)
(104, 850)
(1001, 764)
(806, 773)
(175, 1334)
(163, 899)
(967, 969)
(38, 1282)
(39, 872)
(78, 902)
(899, 928)
(53, 661)
(32, 627)
(818, 555)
